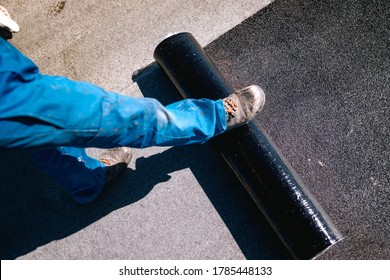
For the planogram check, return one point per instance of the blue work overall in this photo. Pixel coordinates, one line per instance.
(54, 119)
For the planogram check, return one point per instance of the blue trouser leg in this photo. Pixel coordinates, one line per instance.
(81, 177)
(39, 113)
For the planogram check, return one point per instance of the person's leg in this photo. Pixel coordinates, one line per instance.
(81, 177)
(39, 111)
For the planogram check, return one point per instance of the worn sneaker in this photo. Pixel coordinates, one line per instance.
(243, 105)
(116, 161)
(6, 22)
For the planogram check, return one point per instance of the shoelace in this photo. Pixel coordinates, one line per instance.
(230, 106)
(105, 161)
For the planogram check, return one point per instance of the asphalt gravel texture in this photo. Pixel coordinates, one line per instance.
(325, 69)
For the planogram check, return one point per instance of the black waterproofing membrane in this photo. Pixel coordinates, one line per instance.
(287, 204)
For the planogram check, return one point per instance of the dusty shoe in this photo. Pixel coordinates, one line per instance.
(243, 105)
(116, 161)
(6, 22)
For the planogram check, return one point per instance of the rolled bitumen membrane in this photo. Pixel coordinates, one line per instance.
(276, 189)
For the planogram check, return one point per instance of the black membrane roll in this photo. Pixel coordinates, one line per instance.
(276, 189)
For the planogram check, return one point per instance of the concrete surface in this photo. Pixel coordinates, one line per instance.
(325, 68)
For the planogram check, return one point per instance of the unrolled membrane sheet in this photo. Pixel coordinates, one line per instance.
(289, 207)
